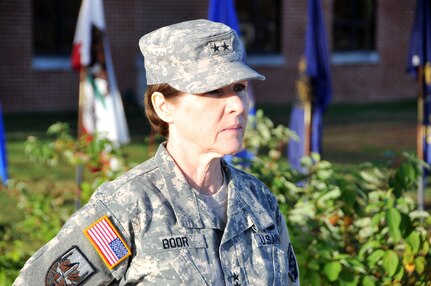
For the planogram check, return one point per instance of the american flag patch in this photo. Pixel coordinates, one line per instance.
(108, 242)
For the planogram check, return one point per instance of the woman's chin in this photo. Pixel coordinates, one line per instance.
(233, 150)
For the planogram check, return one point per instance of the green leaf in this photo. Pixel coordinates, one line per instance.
(369, 177)
(332, 270)
(314, 279)
(420, 263)
(419, 214)
(414, 241)
(375, 256)
(363, 222)
(390, 262)
(375, 221)
(400, 274)
(332, 194)
(406, 226)
(369, 245)
(348, 278)
(408, 172)
(313, 265)
(367, 281)
(324, 174)
(425, 248)
(325, 254)
(393, 218)
(408, 255)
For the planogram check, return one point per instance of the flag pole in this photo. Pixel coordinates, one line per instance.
(304, 91)
(79, 174)
(307, 126)
(421, 134)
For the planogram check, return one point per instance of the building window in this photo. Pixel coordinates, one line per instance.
(260, 23)
(54, 27)
(354, 26)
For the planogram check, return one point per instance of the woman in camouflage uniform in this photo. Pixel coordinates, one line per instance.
(184, 217)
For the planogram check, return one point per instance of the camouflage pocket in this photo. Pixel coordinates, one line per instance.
(187, 270)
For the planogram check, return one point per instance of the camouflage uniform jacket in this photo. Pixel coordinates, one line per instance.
(164, 234)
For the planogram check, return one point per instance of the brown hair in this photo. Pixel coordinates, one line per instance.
(168, 92)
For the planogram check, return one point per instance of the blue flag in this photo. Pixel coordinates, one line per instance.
(419, 66)
(317, 70)
(223, 11)
(3, 161)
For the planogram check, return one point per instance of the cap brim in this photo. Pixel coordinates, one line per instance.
(217, 77)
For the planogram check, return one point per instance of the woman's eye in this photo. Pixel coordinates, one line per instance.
(213, 92)
(239, 87)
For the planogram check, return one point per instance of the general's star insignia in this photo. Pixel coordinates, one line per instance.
(215, 48)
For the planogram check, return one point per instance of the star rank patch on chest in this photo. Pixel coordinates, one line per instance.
(108, 242)
(71, 268)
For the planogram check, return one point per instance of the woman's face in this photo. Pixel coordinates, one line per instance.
(212, 122)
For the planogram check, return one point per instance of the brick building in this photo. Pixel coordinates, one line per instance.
(370, 69)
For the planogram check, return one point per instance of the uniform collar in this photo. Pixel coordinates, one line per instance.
(179, 193)
(242, 202)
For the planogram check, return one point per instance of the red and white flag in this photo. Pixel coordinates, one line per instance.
(101, 108)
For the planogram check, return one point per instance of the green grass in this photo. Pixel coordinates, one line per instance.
(349, 113)
(355, 133)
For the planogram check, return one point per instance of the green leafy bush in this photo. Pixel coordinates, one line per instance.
(349, 226)
(28, 221)
(97, 156)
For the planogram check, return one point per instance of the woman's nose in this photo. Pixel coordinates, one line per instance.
(237, 102)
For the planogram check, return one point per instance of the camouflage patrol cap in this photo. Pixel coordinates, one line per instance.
(195, 56)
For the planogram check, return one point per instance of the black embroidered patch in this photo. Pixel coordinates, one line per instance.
(72, 268)
(266, 238)
(221, 47)
(293, 266)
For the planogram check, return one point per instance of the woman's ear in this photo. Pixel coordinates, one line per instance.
(162, 107)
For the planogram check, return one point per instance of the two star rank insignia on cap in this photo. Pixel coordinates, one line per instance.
(221, 47)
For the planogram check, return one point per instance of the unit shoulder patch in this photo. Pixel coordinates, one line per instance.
(71, 268)
(108, 242)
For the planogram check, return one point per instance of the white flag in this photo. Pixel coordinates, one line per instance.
(101, 108)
